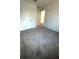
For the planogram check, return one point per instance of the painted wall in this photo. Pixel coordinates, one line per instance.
(28, 12)
(38, 16)
(52, 16)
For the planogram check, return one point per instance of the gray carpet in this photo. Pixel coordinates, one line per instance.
(39, 43)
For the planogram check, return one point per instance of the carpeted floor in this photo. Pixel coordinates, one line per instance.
(39, 43)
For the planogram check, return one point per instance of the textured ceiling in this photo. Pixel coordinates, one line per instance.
(42, 3)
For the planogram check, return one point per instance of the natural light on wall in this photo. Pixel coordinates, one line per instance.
(42, 16)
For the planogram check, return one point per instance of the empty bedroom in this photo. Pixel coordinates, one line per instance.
(39, 29)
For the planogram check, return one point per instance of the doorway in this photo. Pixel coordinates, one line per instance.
(42, 17)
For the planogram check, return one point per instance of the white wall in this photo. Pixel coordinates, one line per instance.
(38, 16)
(28, 14)
(52, 16)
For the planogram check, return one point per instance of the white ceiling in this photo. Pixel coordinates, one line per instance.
(42, 3)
